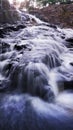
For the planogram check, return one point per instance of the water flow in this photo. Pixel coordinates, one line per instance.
(37, 60)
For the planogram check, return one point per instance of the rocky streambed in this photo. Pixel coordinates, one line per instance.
(36, 76)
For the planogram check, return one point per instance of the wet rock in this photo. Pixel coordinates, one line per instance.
(7, 29)
(53, 26)
(34, 81)
(63, 37)
(21, 47)
(47, 94)
(21, 26)
(3, 86)
(8, 13)
(15, 28)
(69, 40)
(71, 63)
(68, 85)
(2, 33)
(6, 69)
(4, 47)
(13, 76)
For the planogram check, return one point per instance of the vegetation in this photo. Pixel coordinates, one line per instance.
(44, 2)
(40, 3)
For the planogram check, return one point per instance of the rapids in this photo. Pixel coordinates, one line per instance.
(38, 60)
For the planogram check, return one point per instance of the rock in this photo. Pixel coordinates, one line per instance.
(4, 47)
(69, 40)
(14, 27)
(8, 14)
(6, 69)
(68, 85)
(2, 33)
(10, 28)
(20, 47)
(71, 64)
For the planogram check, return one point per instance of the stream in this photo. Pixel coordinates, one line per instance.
(36, 77)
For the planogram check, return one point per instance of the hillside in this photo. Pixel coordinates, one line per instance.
(61, 15)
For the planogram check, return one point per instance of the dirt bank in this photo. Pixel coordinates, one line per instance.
(61, 15)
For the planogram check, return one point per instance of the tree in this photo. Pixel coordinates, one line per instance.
(44, 2)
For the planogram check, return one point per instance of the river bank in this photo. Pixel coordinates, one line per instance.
(61, 15)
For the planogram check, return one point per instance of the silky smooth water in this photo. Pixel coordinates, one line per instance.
(36, 78)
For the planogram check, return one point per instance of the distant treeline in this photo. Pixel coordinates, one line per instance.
(44, 2)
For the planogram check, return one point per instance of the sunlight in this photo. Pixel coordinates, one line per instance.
(11, 1)
(17, 1)
(27, 3)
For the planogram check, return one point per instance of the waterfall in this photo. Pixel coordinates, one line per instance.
(36, 72)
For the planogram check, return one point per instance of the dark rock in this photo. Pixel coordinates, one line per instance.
(5, 4)
(4, 47)
(71, 64)
(2, 33)
(63, 37)
(47, 94)
(69, 40)
(6, 70)
(20, 47)
(14, 27)
(3, 86)
(21, 26)
(68, 85)
(53, 26)
(8, 13)
(7, 29)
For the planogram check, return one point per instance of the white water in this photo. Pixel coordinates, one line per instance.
(38, 60)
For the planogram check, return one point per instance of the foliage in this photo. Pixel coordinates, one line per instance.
(44, 2)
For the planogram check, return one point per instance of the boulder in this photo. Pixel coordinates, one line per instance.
(8, 13)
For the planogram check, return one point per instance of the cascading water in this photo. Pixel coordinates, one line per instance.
(36, 67)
